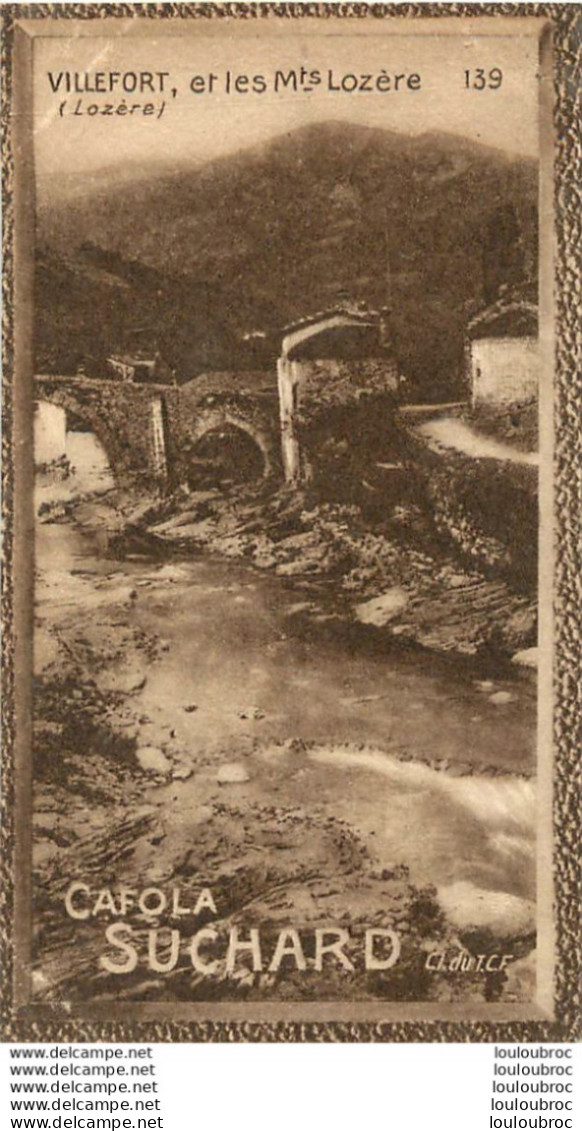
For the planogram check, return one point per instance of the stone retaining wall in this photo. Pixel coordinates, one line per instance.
(487, 507)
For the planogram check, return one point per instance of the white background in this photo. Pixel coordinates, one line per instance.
(380, 1087)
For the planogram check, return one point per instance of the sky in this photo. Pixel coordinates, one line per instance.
(199, 127)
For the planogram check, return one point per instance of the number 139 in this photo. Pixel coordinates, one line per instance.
(478, 79)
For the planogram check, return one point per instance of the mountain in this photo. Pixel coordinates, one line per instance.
(259, 237)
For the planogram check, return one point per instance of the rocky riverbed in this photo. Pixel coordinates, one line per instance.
(395, 575)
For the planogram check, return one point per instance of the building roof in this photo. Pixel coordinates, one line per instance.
(513, 315)
(132, 359)
(346, 312)
(341, 332)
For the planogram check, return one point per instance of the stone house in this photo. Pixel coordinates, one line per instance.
(141, 368)
(333, 356)
(503, 360)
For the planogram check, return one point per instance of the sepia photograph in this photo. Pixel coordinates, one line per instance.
(286, 395)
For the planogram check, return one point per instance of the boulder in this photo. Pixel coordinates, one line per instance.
(251, 713)
(456, 580)
(153, 760)
(183, 773)
(469, 907)
(383, 608)
(527, 658)
(499, 698)
(232, 773)
(126, 682)
(171, 573)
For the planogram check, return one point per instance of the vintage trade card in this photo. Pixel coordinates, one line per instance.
(290, 439)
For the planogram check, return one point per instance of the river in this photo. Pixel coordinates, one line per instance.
(413, 751)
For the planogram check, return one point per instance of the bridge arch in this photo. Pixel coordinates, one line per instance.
(127, 420)
(260, 429)
(90, 415)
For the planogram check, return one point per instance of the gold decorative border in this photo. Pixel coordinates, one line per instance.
(27, 1023)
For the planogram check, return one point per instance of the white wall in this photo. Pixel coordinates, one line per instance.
(288, 377)
(504, 370)
(50, 432)
(158, 438)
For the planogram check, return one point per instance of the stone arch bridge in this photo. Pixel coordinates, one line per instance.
(150, 431)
